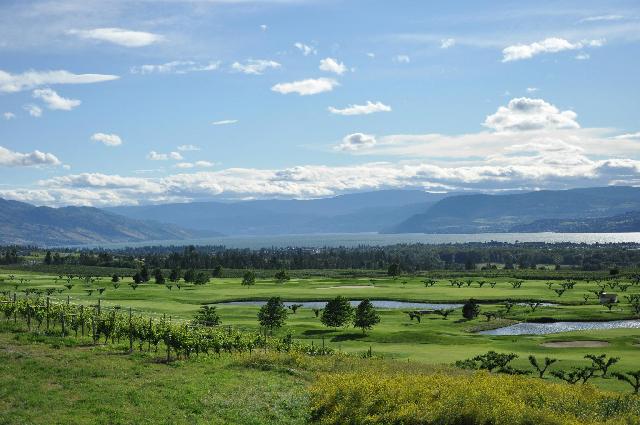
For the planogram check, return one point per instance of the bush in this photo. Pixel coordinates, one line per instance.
(372, 397)
(470, 310)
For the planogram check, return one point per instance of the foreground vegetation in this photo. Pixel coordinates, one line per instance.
(48, 379)
(225, 334)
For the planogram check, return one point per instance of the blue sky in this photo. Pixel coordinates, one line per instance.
(141, 101)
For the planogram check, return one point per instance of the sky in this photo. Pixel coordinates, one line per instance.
(126, 102)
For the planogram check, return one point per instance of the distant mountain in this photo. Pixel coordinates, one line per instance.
(629, 222)
(353, 213)
(22, 223)
(502, 213)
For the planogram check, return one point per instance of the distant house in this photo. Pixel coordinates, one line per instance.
(606, 298)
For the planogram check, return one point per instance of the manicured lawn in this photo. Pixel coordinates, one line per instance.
(432, 341)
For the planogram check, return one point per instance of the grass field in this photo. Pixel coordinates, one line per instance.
(433, 341)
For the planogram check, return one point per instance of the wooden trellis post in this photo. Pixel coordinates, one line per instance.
(47, 314)
(130, 333)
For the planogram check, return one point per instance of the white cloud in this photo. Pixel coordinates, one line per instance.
(371, 55)
(312, 181)
(155, 156)
(530, 114)
(54, 101)
(197, 164)
(9, 115)
(628, 136)
(306, 87)
(119, 36)
(188, 148)
(263, 27)
(255, 66)
(10, 158)
(402, 59)
(356, 141)
(224, 122)
(107, 139)
(601, 18)
(305, 49)
(332, 65)
(176, 67)
(445, 43)
(532, 89)
(11, 83)
(369, 108)
(33, 110)
(583, 56)
(548, 45)
(521, 131)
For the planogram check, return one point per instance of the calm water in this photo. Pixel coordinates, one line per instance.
(552, 328)
(375, 239)
(376, 304)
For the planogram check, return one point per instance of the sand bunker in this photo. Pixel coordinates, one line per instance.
(348, 287)
(575, 344)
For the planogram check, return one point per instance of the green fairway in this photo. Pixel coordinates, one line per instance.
(433, 340)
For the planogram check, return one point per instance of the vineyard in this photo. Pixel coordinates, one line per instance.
(113, 325)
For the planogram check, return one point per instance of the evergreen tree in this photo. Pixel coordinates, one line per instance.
(273, 314)
(470, 309)
(338, 312)
(144, 273)
(47, 258)
(366, 316)
(249, 278)
(158, 276)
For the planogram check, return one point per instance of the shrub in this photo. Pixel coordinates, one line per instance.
(372, 397)
(470, 310)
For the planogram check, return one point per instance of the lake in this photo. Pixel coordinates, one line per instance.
(558, 327)
(375, 239)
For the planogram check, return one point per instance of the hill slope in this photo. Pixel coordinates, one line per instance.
(22, 223)
(361, 212)
(501, 213)
(629, 222)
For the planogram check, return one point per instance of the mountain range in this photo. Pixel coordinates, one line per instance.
(352, 213)
(605, 209)
(22, 223)
(482, 213)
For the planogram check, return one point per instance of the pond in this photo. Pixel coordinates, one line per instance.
(376, 304)
(557, 327)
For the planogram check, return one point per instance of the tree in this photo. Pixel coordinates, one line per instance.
(201, 278)
(393, 270)
(366, 316)
(337, 312)
(137, 278)
(158, 276)
(115, 278)
(631, 378)
(190, 275)
(249, 278)
(144, 273)
(207, 316)
(470, 310)
(47, 258)
(175, 275)
(537, 366)
(282, 276)
(217, 271)
(601, 362)
(273, 314)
